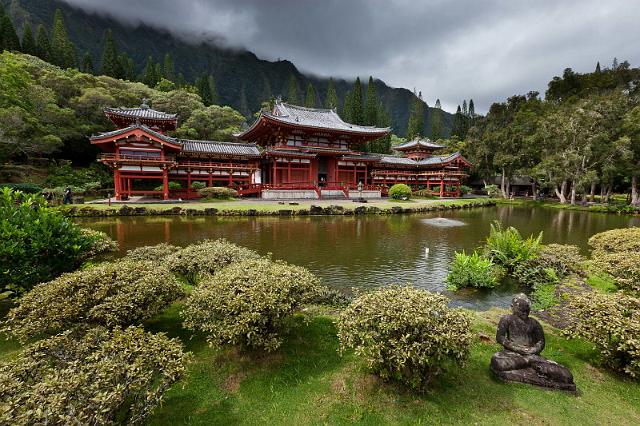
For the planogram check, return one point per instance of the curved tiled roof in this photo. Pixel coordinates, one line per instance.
(431, 161)
(418, 143)
(216, 147)
(142, 112)
(142, 127)
(319, 118)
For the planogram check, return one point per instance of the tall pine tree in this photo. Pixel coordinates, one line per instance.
(168, 70)
(436, 122)
(110, 65)
(126, 67)
(149, 74)
(43, 46)
(415, 126)
(28, 40)
(371, 105)
(266, 93)
(59, 41)
(472, 109)
(331, 100)
(202, 86)
(292, 96)
(213, 91)
(310, 98)
(457, 128)
(87, 63)
(357, 113)
(10, 40)
(347, 108)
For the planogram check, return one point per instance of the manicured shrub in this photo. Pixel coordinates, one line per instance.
(472, 271)
(405, 334)
(612, 324)
(247, 303)
(616, 240)
(157, 253)
(507, 247)
(492, 190)
(37, 243)
(101, 243)
(172, 186)
(110, 294)
(624, 268)
(464, 189)
(400, 191)
(96, 377)
(198, 185)
(564, 259)
(206, 258)
(424, 193)
(218, 192)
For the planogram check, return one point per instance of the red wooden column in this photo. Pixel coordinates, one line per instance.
(230, 178)
(165, 184)
(441, 186)
(116, 183)
(188, 183)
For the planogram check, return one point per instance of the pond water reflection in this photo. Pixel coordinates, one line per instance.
(370, 251)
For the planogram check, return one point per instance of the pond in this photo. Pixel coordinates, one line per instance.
(370, 251)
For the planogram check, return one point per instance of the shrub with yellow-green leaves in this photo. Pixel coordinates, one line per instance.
(155, 253)
(616, 240)
(612, 324)
(219, 192)
(89, 377)
(248, 303)
(624, 268)
(207, 257)
(564, 258)
(110, 294)
(406, 334)
(100, 243)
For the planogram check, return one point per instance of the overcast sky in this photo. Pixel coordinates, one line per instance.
(452, 50)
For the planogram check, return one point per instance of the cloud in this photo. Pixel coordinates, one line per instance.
(451, 50)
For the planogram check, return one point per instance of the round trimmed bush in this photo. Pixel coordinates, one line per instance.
(400, 191)
(198, 185)
(218, 192)
(612, 324)
(155, 253)
(95, 377)
(616, 240)
(109, 294)
(101, 243)
(624, 267)
(248, 303)
(206, 258)
(406, 334)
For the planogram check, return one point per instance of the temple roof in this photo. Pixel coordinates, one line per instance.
(136, 126)
(435, 160)
(312, 118)
(142, 112)
(418, 143)
(216, 147)
(187, 145)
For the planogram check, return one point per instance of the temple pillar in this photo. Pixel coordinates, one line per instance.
(116, 183)
(165, 184)
(188, 184)
(441, 186)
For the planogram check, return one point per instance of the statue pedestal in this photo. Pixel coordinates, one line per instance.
(530, 376)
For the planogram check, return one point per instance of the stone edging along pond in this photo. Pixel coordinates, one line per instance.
(87, 211)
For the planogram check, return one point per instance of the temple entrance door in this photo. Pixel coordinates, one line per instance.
(322, 171)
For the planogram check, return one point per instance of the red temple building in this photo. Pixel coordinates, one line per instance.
(290, 152)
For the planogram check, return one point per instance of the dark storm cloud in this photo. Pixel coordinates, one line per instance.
(452, 50)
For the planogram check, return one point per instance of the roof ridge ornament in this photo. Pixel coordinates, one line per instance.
(144, 103)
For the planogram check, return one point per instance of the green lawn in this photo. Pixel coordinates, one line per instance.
(307, 382)
(244, 205)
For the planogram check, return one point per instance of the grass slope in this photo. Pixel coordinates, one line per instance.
(307, 382)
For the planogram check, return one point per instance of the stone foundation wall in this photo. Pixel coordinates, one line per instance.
(282, 194)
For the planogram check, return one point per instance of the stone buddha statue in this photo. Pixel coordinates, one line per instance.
(523, 340)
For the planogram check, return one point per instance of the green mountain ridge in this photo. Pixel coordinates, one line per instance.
(235, 70)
